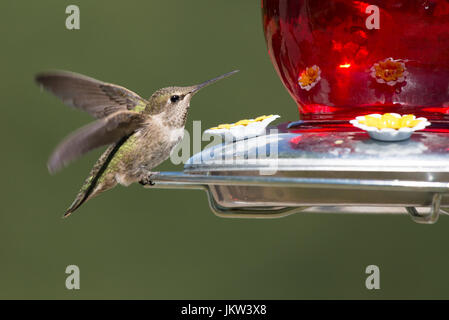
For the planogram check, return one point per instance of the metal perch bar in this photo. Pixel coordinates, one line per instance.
(203, 182)
(392, 185)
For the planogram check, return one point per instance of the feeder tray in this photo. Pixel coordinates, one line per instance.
(331, 172)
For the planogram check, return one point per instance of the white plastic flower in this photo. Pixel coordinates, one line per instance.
(309, 77)
(390, 126)
(389, 71)
(242, 129)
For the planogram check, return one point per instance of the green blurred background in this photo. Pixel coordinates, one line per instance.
(136, 243)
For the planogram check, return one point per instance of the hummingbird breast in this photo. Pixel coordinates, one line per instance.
(153, 144)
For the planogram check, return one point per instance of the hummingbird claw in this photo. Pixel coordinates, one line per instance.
(146, 180)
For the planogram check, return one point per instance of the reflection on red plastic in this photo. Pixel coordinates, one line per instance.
(318, 108)
(335, 36)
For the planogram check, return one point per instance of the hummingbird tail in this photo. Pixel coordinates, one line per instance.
(85, 195)
(96, 182)
(90, 189)
(79, 200)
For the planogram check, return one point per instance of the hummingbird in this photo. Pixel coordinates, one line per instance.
(140, 133)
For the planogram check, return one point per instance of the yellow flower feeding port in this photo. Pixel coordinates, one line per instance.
(390, 126)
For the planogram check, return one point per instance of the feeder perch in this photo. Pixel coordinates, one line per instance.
(320, 172)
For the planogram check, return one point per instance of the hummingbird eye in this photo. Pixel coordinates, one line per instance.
(174, 98)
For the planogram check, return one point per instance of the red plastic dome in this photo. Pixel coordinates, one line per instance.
(341, 58)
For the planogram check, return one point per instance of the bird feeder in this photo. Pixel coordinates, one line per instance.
(371, 83)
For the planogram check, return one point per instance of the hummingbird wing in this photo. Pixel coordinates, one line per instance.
(98, 98)
(102, 132)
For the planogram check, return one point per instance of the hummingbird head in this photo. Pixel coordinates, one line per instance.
(173, 103)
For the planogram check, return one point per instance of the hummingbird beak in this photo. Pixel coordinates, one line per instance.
(208, 82)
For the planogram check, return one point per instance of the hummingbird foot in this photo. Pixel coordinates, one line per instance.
(147, 179)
